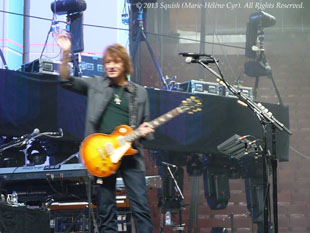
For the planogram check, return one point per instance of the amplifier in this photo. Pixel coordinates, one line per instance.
(195, 86)
(247, 91)
(89, 66)
(42, 66)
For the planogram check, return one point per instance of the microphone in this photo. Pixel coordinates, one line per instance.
(168, 164)
(34, 133)
(61, 133)
(257, 49)
(58, 134)
(189, 60)
(196, 55)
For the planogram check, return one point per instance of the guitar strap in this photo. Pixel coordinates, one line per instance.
(134, 104)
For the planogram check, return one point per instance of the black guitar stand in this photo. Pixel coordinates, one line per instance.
(266, 118)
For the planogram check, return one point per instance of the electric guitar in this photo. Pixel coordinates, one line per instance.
(102, 153)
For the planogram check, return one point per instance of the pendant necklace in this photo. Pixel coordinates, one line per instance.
(117, 97)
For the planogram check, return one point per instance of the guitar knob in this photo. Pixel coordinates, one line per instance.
(122, 130)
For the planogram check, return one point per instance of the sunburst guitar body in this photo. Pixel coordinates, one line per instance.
(98, 151)
(102, 153)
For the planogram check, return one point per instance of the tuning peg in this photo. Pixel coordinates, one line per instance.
(197, 110)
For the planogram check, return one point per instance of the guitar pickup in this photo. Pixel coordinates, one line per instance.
(109, 148)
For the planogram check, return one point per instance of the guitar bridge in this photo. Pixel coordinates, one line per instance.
(101, 153)
(109, 148)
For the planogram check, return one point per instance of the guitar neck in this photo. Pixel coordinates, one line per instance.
(156, 123)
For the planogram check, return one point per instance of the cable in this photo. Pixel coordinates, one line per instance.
(52, 187)
(24, 15)
(124, 29)
(48, 34)
(299, 153)
(227, 60)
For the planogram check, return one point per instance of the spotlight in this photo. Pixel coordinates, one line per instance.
(238, 147)
(266, 20)
(194, 165)
(216, 187)
(257, 21)
(74, 10)
(62, 7)
(36, 153)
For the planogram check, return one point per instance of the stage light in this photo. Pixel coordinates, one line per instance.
(62, 7)
(36, 153)
(216, 187)
(266, 20)
(238, 147)
(257, 22)
(74, 10)
(194, 165)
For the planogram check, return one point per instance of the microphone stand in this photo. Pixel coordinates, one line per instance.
(23, 140)
(265, 117)
(180, 227)
(173, 178)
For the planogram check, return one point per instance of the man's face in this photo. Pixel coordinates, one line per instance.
(114, 67)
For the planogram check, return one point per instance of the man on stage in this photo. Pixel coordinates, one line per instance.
(114, 100)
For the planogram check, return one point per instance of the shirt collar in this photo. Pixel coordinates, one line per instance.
(129, 87)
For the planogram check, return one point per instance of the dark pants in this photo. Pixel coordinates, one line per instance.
(134, 180)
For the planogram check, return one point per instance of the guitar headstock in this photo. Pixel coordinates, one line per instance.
(191, 105)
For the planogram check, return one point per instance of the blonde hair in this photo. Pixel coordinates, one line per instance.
(118, 51)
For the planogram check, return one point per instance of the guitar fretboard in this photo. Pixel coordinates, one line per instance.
(156, 122)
